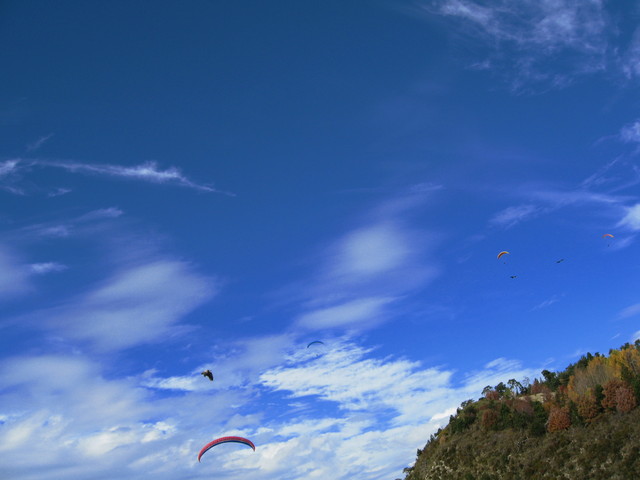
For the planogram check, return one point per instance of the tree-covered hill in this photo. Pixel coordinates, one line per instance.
(581, 423)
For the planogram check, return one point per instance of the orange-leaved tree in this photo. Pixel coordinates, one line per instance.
(588, 407)
(610, 391)
(559, 419)
(625, 399)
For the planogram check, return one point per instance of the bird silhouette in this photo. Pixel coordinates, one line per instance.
(208, 374)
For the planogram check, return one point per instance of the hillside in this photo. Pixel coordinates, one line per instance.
(581, 423)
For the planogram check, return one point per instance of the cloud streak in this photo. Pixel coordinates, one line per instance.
(7, 167)
(511, 216)
(47, 267)
(148, 171)
(630, 311)
(32, 147)
(135, 306)
(9, 175)
(348, 376)
(552, 40)
(631, 219)
(631, 133)
(14, 275)
(351, 313)
(368, 268)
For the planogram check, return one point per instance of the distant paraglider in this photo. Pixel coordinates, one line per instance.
(316, 342)
(502, 254)
(208, 374)
(560, 261)
(221, 440)
(607, 235)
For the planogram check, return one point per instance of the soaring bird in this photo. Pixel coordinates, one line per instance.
(513, 276)
(560, 261)
(208, 374)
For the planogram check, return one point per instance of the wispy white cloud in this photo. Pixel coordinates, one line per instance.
(32, 147)
(85, 426)
(631, 218)
(138, 305)
(71, 225)
(630, 311)
(548, 24)
(47, 267)
(186, 383)
(366, 251)
(536, 33)
(614, 174)
(543, 200)
(238, 364)
(14, 190)
(621, 242)
(511, 216)
(40, 378)
(356, 278)
(58, 192)
(7, 167)
(631, 133)
(14, 275)
(631, 58)
(547, 303)
(111, 212)
(363, 272)
(348, 376)
(54, 231)
(148, 171)
(8, 176)
(562, 198)
(351, 313)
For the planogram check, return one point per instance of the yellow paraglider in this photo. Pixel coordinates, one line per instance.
(503, 253)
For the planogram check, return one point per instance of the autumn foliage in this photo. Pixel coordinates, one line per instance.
(594, 386)
(610, 391)
(559, 419)
(597, 372)
(587, 396)
(489, 419)
(625, 399)
(588, 407)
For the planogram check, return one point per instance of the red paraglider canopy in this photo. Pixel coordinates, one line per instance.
(220, 440)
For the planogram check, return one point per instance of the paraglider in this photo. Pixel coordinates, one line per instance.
(207, 373)
(560, 261)
(513, 276)
(220, 440)
(609, 236)
(502, 254)
(316, 342)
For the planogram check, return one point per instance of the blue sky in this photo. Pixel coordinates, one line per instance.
(216, 184)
